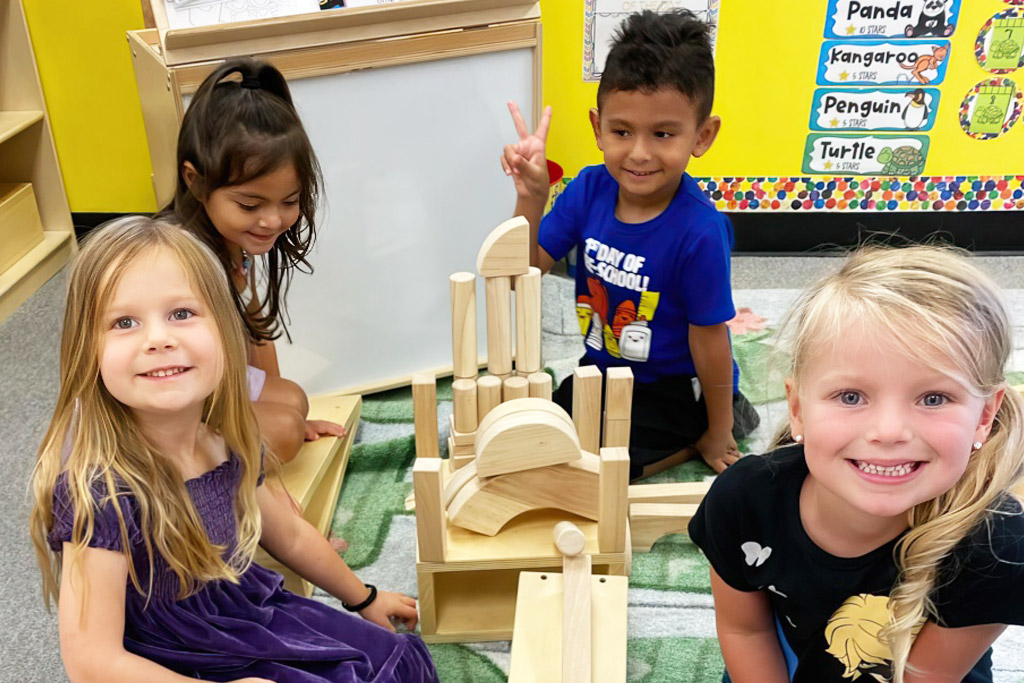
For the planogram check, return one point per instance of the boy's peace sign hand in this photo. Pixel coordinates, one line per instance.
(525, 161)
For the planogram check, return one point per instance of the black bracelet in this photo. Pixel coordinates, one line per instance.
(365, 603)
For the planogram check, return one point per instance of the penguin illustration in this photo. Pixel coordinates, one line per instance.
(915, 114)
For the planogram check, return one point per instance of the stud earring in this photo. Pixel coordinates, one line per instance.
(799, 438)
(977, 446)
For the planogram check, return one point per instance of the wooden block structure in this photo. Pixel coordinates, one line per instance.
(314, 477)
(462, 287)
(590, 646)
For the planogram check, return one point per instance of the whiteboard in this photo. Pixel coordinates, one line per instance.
(412, 185)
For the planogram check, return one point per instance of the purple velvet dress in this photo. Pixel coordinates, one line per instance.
(256, 628)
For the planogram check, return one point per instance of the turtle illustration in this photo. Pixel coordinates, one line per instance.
(1006, 49)
(902, 161)
(989, 115)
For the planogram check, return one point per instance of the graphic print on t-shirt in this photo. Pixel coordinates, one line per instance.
(627, 333)
(852, 634)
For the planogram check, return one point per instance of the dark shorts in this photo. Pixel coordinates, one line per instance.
(666, 417)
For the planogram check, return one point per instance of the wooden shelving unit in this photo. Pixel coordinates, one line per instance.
(27, 155)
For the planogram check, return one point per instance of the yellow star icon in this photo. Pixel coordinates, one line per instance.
(828, 165)
(843, 76)
(850, 30)
(834, 122)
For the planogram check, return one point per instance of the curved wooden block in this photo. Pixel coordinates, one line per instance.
(525, 440)
(520, 404)
(487, 505)
(506, 251)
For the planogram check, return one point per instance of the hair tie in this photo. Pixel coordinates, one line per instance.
(251, 82)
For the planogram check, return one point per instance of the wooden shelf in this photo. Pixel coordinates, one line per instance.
(32, 270)
(13, 122)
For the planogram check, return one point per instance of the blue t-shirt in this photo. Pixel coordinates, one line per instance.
(639, 286)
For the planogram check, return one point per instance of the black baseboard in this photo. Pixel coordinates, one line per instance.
(802, 233)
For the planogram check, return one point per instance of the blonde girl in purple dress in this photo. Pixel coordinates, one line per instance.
(149, 501)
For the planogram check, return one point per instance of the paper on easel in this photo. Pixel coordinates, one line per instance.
(191, 13)
(368, 3)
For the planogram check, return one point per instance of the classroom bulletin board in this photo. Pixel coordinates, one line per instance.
(878, 105)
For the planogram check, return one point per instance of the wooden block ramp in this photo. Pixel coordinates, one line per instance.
(314, 476)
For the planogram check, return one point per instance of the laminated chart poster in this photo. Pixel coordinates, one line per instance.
(602, 17)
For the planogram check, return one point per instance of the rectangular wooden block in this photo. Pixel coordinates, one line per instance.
(537, 650)
(650, 521)
(430, 516)
(424, 408)
(20, 226)
(586, 406)
(677, 492)
(616, 432)
(619, 393)
(613, 502)
(456, 449)
(576, 620)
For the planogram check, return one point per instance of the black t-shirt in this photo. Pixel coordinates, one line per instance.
(830, 608)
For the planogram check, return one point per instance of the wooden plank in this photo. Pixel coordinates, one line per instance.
(677, 492)
(425, 601)
(498, 292)
(576, 619)
(650, 521)
(586, 406)
(619, 393)
(279, 34)
(528, 305)
(424, 408)
(525, 440)
(487, 505)
(515, 387)
(462, 288)
(537, 638)
(430, 515)
(32, 270)
(616, 433)
(506, 250)
(613, 499)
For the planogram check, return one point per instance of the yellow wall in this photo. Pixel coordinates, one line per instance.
(766, 58)
(766, 61)
(89, 86)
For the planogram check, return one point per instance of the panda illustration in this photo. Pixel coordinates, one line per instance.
(931, 21)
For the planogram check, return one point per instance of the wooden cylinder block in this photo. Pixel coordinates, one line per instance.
(499, 325)
(540, 385)
(528, 322)
(488, 395)
(569, 539)
(515, 387)
(464, 405)
(462, 287)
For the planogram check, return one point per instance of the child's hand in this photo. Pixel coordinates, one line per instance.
(317, 428)
(525, 161)
(391, 605)
(718, 452)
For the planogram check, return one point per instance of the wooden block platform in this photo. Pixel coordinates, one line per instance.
(314, 476)
(472, 596)
(537, 637)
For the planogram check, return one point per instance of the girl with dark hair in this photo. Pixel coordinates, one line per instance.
(248, 185)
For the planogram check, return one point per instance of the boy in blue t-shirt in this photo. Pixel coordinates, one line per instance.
(652, 281)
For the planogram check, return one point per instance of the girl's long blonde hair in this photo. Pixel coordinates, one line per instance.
(109, 453)
(938, 306)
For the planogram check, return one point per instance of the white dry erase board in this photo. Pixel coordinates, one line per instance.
(408, 130)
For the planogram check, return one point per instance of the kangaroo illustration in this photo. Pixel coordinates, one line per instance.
(927, 63)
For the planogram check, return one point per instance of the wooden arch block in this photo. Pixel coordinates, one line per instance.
(506, 251)
(524, 440)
